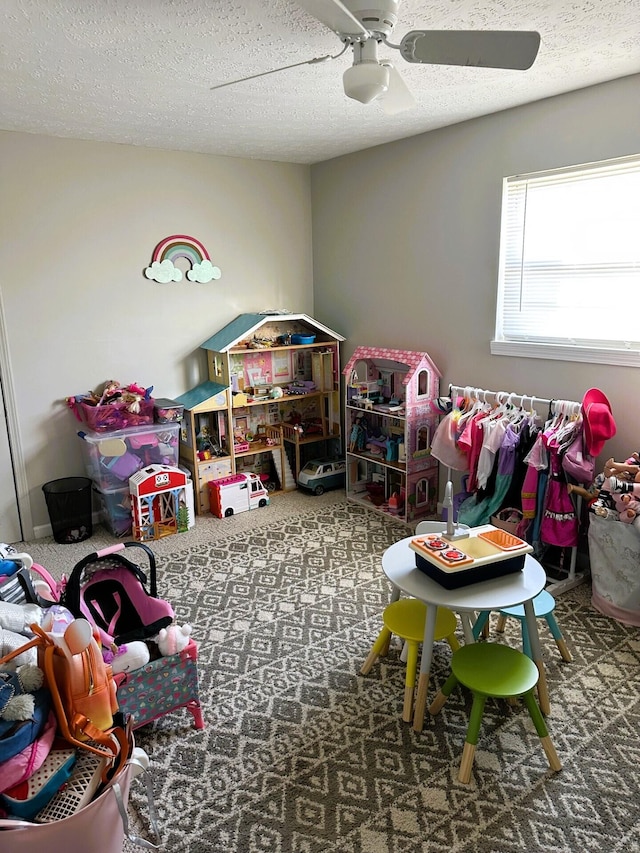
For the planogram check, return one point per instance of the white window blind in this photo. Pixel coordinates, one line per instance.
(570, 258)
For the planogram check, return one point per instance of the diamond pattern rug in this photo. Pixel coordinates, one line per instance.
(302, 754)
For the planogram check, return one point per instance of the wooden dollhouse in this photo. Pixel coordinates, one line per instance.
(272, 401)
(161, 502)
(283, 372)
(389, 421)
(205, 443)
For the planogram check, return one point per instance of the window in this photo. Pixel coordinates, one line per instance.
(423, 383)
(569, 271)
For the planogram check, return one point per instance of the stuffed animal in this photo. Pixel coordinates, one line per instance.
(173, 639)
(57, 619)
(127, 657)
(628, 508)
(16, 701)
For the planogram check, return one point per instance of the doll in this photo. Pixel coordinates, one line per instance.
(628, 508)
(627, 470)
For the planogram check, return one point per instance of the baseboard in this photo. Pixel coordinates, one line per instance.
(42, 531)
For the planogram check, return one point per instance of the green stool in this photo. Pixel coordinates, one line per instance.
(405, 618)
(501, 672)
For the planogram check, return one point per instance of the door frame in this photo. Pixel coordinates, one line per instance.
(8, 399)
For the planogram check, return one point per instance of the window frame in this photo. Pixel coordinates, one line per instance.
(605, 352)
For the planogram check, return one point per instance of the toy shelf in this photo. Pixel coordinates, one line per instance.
(286, 398)
(385, 463)
(288, 347)
(378, 410)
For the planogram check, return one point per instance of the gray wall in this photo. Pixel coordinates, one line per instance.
(79, 223)
(406, 241)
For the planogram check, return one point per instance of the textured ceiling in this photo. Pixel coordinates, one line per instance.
(139, 72)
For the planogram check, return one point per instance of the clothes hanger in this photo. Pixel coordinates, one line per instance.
(498, 411)
(471, 403)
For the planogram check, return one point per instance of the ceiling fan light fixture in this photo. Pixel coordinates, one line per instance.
(365, 81)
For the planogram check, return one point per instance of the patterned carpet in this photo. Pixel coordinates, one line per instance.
(302, 754)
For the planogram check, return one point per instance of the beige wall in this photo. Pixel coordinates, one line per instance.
(406, 239)
(79, 223)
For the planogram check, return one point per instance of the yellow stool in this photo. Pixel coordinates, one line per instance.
(405, 618)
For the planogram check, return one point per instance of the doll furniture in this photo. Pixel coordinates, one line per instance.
(161, 686)
(491, 670)
(405, 618)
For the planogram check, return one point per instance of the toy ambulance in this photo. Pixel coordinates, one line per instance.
(236, 493)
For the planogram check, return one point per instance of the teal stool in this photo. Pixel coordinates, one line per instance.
(405, 618)
(497, 671)
(543, 605)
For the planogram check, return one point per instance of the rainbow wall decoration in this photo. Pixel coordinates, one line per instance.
(167, 252)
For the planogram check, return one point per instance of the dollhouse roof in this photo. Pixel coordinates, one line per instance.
(246, 325)
(200, 394)
(383, 357)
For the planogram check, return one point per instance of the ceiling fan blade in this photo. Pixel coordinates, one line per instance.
(482, 48)
(315, 61)
(398, 98)
(336, 16)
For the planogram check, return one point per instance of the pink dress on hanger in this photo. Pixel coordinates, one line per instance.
(559, 521)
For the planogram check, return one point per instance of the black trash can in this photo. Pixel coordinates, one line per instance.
(69, 506)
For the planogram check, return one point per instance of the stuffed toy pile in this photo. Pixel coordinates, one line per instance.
(615, 492)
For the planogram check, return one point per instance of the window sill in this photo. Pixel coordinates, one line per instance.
(560, 352)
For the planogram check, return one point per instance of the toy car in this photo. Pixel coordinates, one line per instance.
(318, 475)
(301, 386)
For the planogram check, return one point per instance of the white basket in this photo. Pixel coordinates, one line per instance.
(79, 790)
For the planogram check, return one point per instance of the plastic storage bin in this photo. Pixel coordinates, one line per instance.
(114, 416)
(114, 508)
(69, 506)
(111, 459)
(167, 411)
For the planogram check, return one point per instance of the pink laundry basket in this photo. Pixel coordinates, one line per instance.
(97, 828)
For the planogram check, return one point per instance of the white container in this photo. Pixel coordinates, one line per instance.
(614, 556)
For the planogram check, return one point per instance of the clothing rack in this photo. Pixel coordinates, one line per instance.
(564, 407)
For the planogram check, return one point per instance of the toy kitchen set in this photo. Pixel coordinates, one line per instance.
(460, 555)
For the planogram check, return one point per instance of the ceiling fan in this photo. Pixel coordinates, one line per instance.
(370, 78)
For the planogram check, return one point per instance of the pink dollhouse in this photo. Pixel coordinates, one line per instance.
(390, 419)
(161, 502)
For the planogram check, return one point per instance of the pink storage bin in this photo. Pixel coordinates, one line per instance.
(114, 415)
